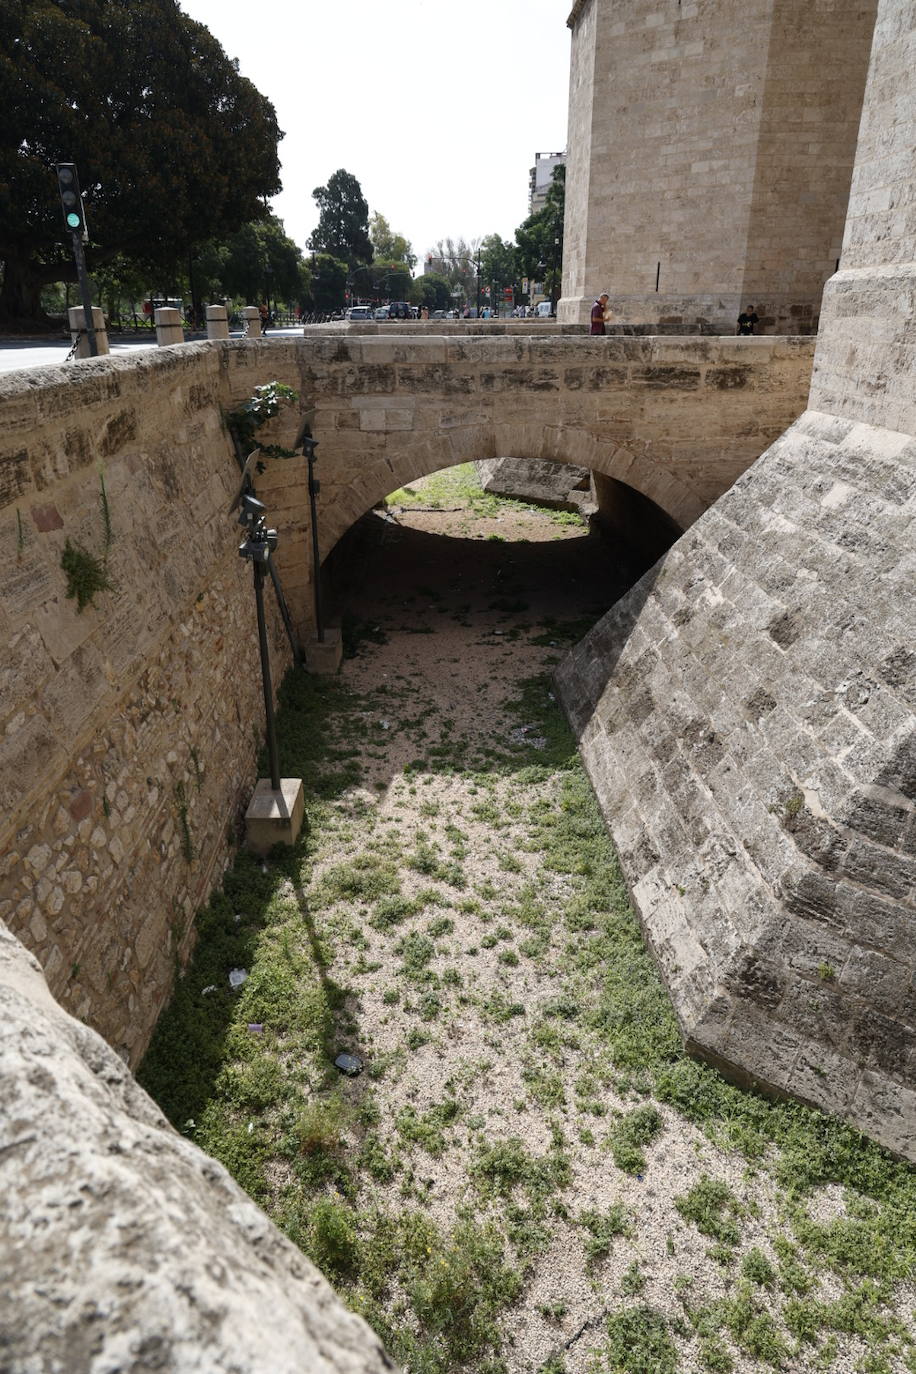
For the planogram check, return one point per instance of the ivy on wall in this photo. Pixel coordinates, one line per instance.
(263, 405)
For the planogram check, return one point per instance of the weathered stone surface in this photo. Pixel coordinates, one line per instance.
(683, 226)
(559, 486)
(123, 1246)
(759, 687)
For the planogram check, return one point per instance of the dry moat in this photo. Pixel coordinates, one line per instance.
(528, 1174)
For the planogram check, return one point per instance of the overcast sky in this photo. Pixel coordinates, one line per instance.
(437, 109)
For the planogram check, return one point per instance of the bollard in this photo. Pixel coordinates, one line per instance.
(168, 326)
(217, 322)
(252, 317)
(77, 321)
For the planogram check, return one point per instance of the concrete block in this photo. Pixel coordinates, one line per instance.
(274, 817)
(325, 655)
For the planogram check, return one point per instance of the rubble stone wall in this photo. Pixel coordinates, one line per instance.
(130, 728)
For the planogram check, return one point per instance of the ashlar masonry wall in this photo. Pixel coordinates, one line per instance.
(711, 147)
(748, 710)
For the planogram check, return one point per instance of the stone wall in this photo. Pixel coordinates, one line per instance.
(678, 419)
(748, 711)
(711, 151)
(130, 727)
(124, 1247)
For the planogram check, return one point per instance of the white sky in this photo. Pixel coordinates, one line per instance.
(437, 109)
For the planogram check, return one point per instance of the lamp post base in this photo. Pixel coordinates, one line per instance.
(325, 655)
(274, 817)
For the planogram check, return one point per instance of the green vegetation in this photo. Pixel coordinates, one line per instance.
(86, 575)
(460, 486)
(516, 1040)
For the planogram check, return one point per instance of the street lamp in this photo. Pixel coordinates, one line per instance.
(258, 545)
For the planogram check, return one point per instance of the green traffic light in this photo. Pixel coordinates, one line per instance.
(73, 220)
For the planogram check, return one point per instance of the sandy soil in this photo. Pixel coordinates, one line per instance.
(457, 611)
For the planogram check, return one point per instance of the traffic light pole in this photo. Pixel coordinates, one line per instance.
(77, 235)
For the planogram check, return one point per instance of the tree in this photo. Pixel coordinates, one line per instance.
(388, 246)
(391, 280)
(433, 291)
(172, 145)
(456, 260)
(539, 239)
(325, 283)
(497, 262)
(343, 222)
(261, 262)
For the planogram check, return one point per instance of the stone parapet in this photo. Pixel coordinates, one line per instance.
(124, 1246)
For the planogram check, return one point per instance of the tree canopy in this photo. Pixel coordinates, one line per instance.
(497, 261)
(325, 279)
(343, 222)
(387, 246)
(173, 146)
(539, 239)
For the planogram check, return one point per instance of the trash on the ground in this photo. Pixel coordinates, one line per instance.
(522, 735)
(499, 632)
(264, 866)
(350, 1064)
(237, 976)
(385, 724)
(237, 918)
(205, 992)
(256, 1027)
(250, 1127)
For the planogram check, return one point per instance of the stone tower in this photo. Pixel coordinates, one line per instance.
(711, 146)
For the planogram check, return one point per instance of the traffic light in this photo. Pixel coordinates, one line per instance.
(70, 198)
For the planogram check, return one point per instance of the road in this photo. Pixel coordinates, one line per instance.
(16, 354)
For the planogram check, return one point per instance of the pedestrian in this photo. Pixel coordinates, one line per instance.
(747, 320)
(599, 314)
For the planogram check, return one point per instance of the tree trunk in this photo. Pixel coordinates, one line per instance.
(20, 296)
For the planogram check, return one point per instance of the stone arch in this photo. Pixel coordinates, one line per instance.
(629, 464)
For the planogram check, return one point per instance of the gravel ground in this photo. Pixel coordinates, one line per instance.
(449, 598)
(451, 891)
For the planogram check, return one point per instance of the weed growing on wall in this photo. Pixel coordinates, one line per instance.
(265, 402)
(86, 574)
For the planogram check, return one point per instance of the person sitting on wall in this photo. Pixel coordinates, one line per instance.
(599, 315)
(747, 320)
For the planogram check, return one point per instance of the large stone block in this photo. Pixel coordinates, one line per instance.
(122, 1245)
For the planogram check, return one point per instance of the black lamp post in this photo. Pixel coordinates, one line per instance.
(257, 547)
(308, 447)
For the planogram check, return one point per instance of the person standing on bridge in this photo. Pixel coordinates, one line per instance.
(599, 315)
(748, 320)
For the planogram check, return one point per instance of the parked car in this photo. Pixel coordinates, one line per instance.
(383, 312)
(359, 312)
(399, 310)
(438, 315)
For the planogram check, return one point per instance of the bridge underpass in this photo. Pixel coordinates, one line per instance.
(673, 420)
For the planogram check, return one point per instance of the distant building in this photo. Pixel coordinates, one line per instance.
(540, 177)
